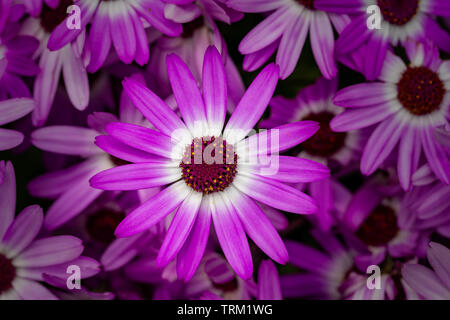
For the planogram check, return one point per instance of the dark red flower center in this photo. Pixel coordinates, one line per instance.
(420, 90)
(209, 165)
(227, 286)
(324, 142)
(117, 161)
(307, 3)
(379, 227)
(398, 12)
(51, 18)
(102, 224)
(190, 27)
(7, 273)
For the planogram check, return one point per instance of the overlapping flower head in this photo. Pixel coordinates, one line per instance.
(203, 164)
(224, 149)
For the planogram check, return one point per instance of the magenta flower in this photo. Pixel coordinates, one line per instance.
(401, 20)
(287, 29)
(119, 23)
(26, 261)
(11, 110)
(222, 191)
(430, 284)
(380, 226)
(407, 103)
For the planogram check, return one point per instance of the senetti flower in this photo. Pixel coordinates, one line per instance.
(25, 260)
(407, 104)
(379, 223)
(430, 284)
(400, 20)
(120, 24)
(67, 60)
(11, 110)
(286, 29)
(223, 190)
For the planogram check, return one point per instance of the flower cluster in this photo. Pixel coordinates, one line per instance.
(224, 149)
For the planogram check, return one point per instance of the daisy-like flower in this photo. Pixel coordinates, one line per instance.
(286, 29)
(400, 20)
(431, 284)
(331, 273)
(326, 270)
(200, 189)
(408, 103)
(11, 110)
(326, 146)
(67, 60)
(25, 260)
(16, 61)
(380, 224)
(119, 23)
(70, 187)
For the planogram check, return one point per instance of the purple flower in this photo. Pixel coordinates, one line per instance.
(400, 20)
(430, 284)
(24, 260)
(407, 103)
(221, 191)
(119, 23)
(379, 226)
(325, 271)
(287, 29)
(67, 60)
(34, 7)
(11, 110)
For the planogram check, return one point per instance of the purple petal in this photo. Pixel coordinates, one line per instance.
(66, 140)
(275, 194)
(153, 210)
(214, 87)
(258, 226)
(292, 42)
(252, 105)
(49, 251)
(7, 196)
(13, 109)
(152, 107)
(187, 95)
(180, 228)
(31, 290)
(192, 251)
(23, 230)
(381, 143)
(231, 235)
(75, 79)
(269, 287)
(322, 43)
(136, 176)
(142, 138)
